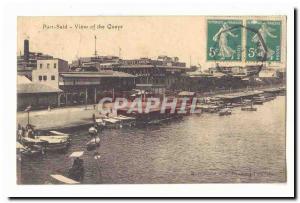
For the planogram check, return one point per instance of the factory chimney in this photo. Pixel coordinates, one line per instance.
(26, 50)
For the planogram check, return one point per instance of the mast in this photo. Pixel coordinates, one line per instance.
(95, 46)
(120, 52)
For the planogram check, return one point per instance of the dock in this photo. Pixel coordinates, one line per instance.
(248, 94)
(274, 90)
(239, 95)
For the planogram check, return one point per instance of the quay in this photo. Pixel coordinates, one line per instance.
(231, 97)
(58, 118)
(239, 95)
(79, 116)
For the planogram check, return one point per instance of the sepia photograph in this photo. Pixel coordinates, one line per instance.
(151, 99)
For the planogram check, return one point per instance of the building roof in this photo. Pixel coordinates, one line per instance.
(21, 79)
(96, 74)
(137, 66)
(32, 88)
(152, 66)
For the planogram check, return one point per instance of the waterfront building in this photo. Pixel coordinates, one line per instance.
(36, 95)
(156, 74)
(163, 71)
(84, 87)
(94, 63)
(27, 62)
(47, 71)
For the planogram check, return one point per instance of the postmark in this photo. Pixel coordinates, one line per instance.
(224, 40)
(270, 32)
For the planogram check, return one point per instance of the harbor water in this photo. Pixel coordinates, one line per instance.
(208, 148)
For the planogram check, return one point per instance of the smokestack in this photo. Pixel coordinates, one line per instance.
(26, 50)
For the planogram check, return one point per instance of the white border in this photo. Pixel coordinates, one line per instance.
(132, 7)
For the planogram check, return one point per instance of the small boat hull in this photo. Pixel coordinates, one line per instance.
(258, 102)
(224, 112)
(93, 143)
(248, 109)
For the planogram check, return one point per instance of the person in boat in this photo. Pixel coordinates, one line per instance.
(77, 170)
(30, 131)
(20, 132)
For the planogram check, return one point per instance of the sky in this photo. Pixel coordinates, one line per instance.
(181, 36)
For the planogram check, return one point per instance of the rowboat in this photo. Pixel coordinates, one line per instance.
(225, 112)
(247, 108)
(53, 141)
(34, 150)
(125, 121)
(258, 100)
(76, 172)
(63, 180)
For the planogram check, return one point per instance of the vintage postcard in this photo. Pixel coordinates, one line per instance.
(151, 99)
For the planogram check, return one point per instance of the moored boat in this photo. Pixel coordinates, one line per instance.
(258, 99)
(33, 150)
(225, 112)
(125, 121)
(249, 108)
(52, 141)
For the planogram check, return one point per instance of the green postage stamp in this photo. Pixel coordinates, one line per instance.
(224, 40)
(270, 33)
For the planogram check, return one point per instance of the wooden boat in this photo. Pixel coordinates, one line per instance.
(237, 104)
(34, 150)
(258, 100)
(53, 141)
(213, 109)
(269, 97)
(75, 173)
(208, 108)
(249, 108)
(229, 106)
(225, 112)
(93, 143)
(125, 121)
(63, 180)
(56, 142)
(112, 123)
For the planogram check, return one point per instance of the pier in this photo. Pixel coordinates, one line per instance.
(239, 95)
(248, 94)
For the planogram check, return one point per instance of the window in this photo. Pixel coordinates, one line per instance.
(45, 77)
(54, 65)
(52, 77)
(48, 65)
(40, 77)
(41, 65)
